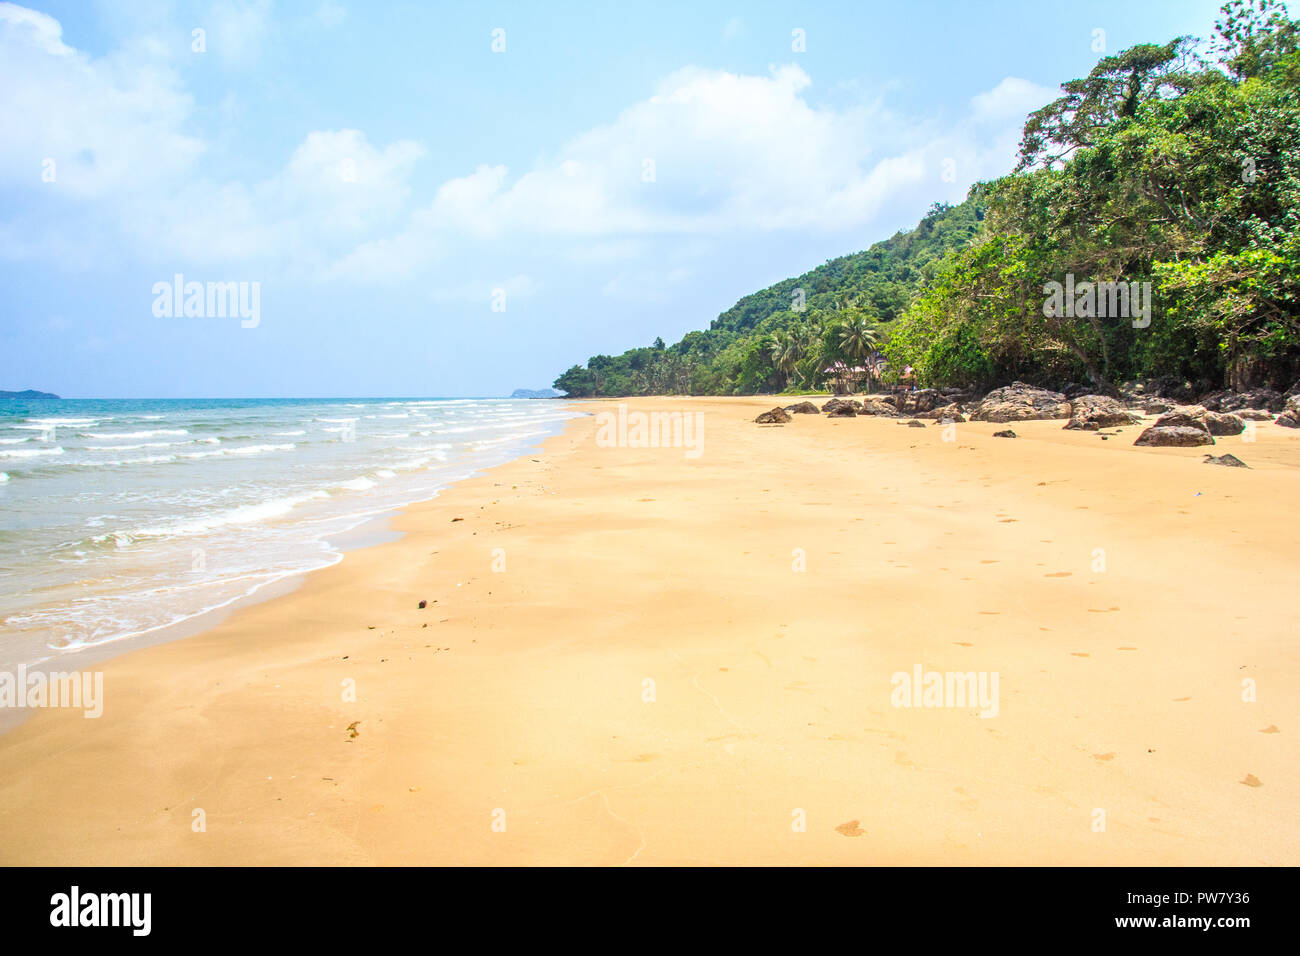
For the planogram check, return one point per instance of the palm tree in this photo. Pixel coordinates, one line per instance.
(857, 339)
(785, 353)
(810, 348)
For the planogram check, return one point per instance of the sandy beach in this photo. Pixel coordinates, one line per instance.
(637, 656)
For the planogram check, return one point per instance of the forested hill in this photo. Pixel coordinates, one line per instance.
(1150, 229)
(734, 355)
(880, 280)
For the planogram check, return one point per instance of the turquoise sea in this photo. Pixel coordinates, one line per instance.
(119, 518)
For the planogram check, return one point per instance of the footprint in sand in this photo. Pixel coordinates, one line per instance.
(1270, 729)
(1103, 757)
(850, 829)
(1252, 781)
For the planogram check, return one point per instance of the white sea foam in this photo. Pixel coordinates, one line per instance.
(152, 433)
(244, 514)
(256, 449)
(114, 462)
(148, 444)
(30, 452)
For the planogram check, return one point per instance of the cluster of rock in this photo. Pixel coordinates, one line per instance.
(1180, 423)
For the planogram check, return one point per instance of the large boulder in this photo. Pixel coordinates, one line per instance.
(1019, 402)
(1289, 419)
(1225, 400)
(1176, 430)
(776, 416)
(802, 408)
(1224, 423)
(841, 407)
(1091, 412)
(952, 412)
(885, 406)
(1185, 416)
(1216, 423)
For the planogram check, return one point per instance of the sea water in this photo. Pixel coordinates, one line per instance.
(120, 518)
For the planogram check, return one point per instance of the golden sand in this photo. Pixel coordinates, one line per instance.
(631, 655)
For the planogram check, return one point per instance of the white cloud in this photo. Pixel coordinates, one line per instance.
(1011, 99)
(41, 31)
(237, 30)
(109, 126)
(731, 155)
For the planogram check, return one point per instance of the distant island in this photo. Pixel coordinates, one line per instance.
(536, 393)
(28, 393)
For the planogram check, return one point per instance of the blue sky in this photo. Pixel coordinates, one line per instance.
(617, 172)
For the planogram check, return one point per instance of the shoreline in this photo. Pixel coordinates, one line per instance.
(522, 690)
(369, 528)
